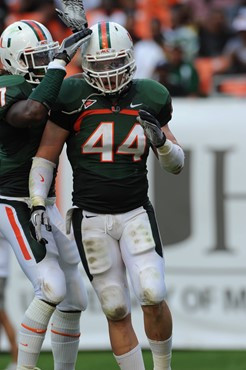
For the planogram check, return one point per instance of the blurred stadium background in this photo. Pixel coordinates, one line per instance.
(197, 48)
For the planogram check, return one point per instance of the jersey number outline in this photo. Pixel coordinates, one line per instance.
(101, 141)
(2, 96)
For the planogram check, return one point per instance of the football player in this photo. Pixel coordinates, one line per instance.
(34, 69)
(109, 122)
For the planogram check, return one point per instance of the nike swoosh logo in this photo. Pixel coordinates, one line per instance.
(89, 216)
(135, 105)
(24, 344)
(42, 178)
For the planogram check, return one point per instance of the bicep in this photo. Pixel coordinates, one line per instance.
(25, 113)
(52, 142)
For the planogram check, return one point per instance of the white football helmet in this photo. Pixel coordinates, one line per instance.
(107, 58)
(26, 48)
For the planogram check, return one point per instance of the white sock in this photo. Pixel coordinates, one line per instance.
(161, 353)
(32, 333)
(132, 360)
(65, 333)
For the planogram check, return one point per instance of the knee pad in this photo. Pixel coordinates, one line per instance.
(76, 298)
(114, 303)
(152, 286)
(53, 286)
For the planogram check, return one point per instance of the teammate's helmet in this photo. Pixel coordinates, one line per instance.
(107, 58)
(26, 48)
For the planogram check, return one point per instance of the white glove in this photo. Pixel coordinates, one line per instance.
(152, 128)
(73, 14)
(39, 218)
(70, 45)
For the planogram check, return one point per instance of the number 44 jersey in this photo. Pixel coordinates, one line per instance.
(107, 147)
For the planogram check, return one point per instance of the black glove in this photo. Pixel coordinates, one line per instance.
(152, 128)
(70, 44)
(73, 14)
(38, 218)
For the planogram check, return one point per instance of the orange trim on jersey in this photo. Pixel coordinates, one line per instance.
(78, 121)
(130, 112)
(88, 113)
(16, 229)
(65, 334)
(34, 330)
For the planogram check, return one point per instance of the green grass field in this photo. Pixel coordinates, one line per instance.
(182, 360)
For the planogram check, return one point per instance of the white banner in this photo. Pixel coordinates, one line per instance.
(206, 271)
(205, 252)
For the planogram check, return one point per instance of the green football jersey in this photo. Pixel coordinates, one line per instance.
(107, 147)
(17, 145)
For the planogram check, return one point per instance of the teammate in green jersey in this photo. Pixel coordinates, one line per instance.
(34, 71)
(109, 122)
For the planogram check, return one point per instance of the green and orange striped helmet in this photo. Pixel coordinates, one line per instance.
(26, 48)
(107, 58)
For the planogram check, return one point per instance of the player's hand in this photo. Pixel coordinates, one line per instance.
(70, 45)
(39, 218)
(152, 128)
(73, 14)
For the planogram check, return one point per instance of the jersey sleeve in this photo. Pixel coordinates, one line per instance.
(62, 119)
(165, 114)
(156, 100)
(68, 104)
(12, 90)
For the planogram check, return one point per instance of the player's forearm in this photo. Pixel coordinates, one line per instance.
(35, 109)
(171, 157)
(40, 179)
(47, 91)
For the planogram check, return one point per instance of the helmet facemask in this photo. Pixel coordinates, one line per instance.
(35, 60)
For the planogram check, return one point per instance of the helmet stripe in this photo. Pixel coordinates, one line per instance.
(36, 29)
(104, 36)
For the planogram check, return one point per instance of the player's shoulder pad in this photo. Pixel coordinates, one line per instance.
(152, 92)
(12, 80)
(72, 91)
(15, 88)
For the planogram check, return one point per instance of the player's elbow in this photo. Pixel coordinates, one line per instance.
(35, 112)
(26, 113)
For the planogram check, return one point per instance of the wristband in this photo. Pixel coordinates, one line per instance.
(57, 64)
(171, 157)
(40, 180)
